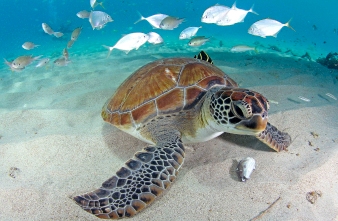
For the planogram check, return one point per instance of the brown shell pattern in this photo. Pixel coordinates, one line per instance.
(162, 87)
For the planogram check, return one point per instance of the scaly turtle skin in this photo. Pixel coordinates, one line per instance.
(167, 103)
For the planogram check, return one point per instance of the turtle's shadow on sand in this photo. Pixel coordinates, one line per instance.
(124, 146)
(222, 148)
(121, 144)
(245, 141)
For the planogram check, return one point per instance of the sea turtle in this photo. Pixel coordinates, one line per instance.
(168, 103)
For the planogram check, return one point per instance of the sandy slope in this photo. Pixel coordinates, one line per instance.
(52, 131)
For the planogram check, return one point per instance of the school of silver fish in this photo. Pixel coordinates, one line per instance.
(218, 14)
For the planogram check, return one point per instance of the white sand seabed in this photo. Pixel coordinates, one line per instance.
(52, 131)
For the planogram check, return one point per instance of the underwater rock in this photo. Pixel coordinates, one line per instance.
(330, 61)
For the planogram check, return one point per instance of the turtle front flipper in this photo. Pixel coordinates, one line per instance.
(274, 138)
(137, 184)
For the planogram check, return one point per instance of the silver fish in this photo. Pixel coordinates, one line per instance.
(9, 64)
(47, 29)
(267, 27)
(22, 61)
(76, 33)
(50, 31)
(242, 48)
(42, 62)
(331, 96)
(245, 168)
(154, 20)
(29, 45)
(154, 38)
(214, 13)
(304, 98)
(98, 19)
(65, 53)
(198, 41)
(234, 15)
(83, 14)
(94, 3)
(189, 32)
(129, 42)
(61, 61)
(169, 23)
(58, 34)
(70, 43)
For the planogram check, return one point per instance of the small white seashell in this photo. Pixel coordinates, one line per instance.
(304, 99)
(245, 168)
(331, 96)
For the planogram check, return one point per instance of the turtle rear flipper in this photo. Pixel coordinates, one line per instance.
(274, 138)
(137, 184)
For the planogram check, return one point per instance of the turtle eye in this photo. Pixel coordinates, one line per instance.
(241, 109)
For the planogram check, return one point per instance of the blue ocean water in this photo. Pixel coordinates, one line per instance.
(314, 22)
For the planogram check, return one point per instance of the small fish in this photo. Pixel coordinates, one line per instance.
(242, 48)
(58, 34)
(42, 62)
(129, 42)
(154, 20)
(70, 43)
(98, 19)
(306, 55)
(198, 41)
(331, 96)
(76, 33)
(94, 3)
(29, 45)
(275, 48)
(154, 38)
(61, 61)
(245, 168)
(204, 56)
(314, 27)
(189, 32)
(267, 27)
(234, 15)
(9, 64)
(83, 14)
(50, 31)
(304, 99)
(273, 101)
(214, 13)
(169, 23)
(47, 29)
(22, 61)
(65, 53)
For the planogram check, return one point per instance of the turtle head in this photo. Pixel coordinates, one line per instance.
(239, 111)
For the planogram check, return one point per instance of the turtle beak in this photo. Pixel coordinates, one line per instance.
(255, 125)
